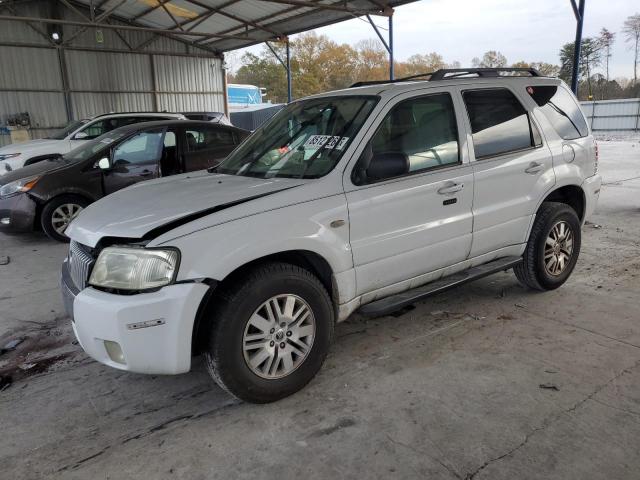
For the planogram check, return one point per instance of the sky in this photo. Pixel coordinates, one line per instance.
(529, 30)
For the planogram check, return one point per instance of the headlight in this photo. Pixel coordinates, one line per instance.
(7, 156)
(18, 186)
(126, 268)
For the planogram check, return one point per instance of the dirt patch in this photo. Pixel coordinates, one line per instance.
(34, 349)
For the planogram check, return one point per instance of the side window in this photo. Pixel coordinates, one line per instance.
(98, 128)
(416, 135)
(142, 148)
(206, 138)
(561, 109)
(499, 122)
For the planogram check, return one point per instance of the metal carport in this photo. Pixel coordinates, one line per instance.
(179, 28)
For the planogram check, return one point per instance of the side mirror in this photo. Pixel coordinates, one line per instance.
(104, 164)
(80, 136)
(387, 165)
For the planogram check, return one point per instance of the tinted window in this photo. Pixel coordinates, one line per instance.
(204, 138)
(560, 108)
(423, 130)
(143, 147)
(499, 122)
(95, 129)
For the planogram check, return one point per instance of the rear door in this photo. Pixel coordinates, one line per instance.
(135, 159)
(511, 165)
(206, 145)
(410, 194)
(573, 148)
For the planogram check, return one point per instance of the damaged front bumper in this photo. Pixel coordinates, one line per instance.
(144, 333)
(17, 213)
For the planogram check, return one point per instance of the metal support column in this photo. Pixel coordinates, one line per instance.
(288, 67)
(578, 11)
(388, 45)
(64, 78)
(391, 70)
(286, 64)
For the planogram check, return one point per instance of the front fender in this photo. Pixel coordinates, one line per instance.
(217, 251)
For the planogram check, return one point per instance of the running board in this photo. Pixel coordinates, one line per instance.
(390, 304)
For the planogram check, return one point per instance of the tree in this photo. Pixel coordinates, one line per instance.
(490, 59)
(606, 40)
(372, 61)
(418, 63)
(631, 31)
(590, 57)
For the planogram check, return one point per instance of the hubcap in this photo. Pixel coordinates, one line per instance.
(558, 248)
(278, 336)
(63, 215)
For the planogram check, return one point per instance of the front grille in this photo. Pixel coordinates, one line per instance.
(80, 263)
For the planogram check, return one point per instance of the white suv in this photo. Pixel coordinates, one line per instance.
(18, 155)
(367, 199)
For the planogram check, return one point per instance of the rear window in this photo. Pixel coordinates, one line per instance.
(560, 108)
(499, 123)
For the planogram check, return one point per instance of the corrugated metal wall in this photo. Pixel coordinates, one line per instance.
(614, 116)
(161, 76)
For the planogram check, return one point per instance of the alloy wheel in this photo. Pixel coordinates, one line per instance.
(558, 248)
(63, 215)
(278, 336)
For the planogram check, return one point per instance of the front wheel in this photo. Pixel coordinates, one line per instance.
(553, 248)
(58, 214)
(270, 333)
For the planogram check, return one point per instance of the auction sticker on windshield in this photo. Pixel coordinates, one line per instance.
(328, 141)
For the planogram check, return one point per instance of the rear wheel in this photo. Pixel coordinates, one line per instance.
(58, 214)
(553, 248)
(271, 333)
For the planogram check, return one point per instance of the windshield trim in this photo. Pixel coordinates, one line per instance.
(328, 98)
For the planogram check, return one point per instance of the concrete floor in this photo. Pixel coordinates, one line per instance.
(486, 381)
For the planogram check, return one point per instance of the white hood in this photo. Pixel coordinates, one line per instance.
(136, 210)
(30, 149)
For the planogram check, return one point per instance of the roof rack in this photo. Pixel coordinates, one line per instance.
(448, 73)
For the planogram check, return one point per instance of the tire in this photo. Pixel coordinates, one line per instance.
(238, 307)
(56, 207)
(551, 220)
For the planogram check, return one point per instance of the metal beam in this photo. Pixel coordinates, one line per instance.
(338, 7)
(387, 45)
(288, 67)
(107, 50)
(149, 10)
(119, 27)
(286, 64)
(219, 10)
(127, 21)
(392, 74)
(576, 46)
(177, 24)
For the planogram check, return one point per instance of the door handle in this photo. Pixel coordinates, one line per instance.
(533, 168)
(450, 188)
(146, 173)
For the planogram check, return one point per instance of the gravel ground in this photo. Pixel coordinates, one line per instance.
(485, 381)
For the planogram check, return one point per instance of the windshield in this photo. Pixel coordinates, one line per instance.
(66, 131)
(304, 140)
(90, 148)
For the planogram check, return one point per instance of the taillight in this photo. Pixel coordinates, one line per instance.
(595, 167)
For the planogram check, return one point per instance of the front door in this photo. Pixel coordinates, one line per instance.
(134, 160)
(410, 195)
(512, 168)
